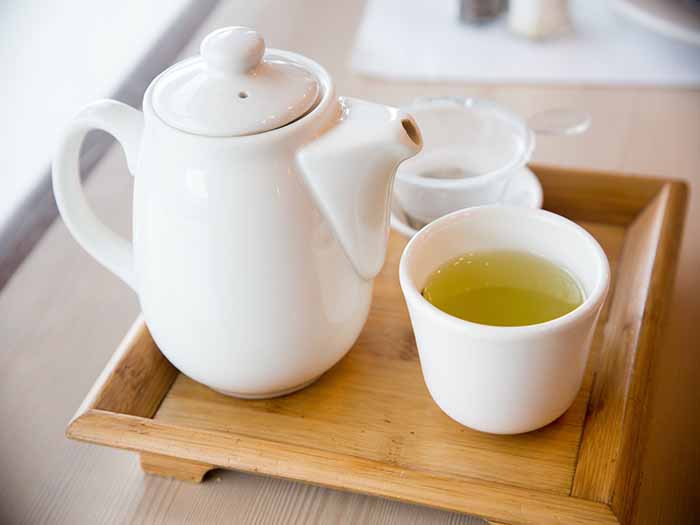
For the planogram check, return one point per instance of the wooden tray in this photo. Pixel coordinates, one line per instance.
(369, 425)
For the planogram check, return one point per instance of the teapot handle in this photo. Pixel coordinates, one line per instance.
(125, 124)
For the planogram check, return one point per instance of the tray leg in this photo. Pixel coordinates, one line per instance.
(170, 467)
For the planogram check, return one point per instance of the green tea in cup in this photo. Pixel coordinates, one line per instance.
(503, 288)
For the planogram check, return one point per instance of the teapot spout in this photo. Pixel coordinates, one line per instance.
(349, 170)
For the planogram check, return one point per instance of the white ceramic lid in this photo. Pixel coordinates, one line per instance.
(233, 89)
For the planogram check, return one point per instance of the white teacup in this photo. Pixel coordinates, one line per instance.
(472, 148)
(504, 380)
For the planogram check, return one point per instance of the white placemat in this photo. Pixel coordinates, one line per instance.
(424, 40)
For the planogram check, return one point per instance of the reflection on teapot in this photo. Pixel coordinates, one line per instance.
(261, 211)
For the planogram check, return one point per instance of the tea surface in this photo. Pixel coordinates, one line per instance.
(503, 288)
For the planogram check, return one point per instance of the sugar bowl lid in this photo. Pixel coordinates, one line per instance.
(234, 88)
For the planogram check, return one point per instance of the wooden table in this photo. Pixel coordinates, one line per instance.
(61, 316)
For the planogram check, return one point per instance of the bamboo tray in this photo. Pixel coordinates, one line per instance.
(369, 425)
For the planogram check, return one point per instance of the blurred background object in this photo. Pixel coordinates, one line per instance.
(427, 42)
(678, 19)
(62, 55)
(538, 18)
(480, 11)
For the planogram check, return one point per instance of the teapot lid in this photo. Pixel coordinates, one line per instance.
(234, 88)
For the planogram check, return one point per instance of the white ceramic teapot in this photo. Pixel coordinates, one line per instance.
(261, 211)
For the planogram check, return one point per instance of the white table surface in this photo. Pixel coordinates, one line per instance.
(61, 315)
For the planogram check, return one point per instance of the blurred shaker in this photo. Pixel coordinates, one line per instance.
(538, 19)
(480, 11)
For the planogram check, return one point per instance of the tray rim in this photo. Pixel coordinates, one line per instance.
(469, 495)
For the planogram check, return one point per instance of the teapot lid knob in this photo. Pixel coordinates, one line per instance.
(233, 49)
